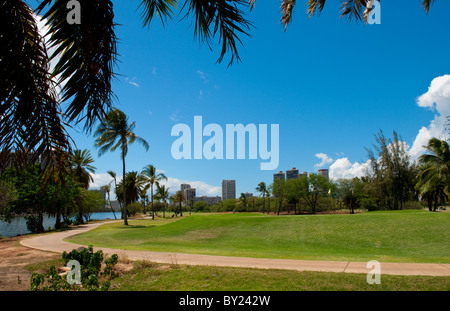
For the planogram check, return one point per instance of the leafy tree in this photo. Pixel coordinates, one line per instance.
(200, 206)
(92, 202)
(391, 175)
(116, 127)
(7, 196)
(311, 188)
(152, 178)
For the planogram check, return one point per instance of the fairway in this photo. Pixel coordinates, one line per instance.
(404, 236)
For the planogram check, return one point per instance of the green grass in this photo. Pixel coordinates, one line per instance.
(406, 236)
(156, 277)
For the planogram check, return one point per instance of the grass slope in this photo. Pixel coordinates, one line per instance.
(405, 236)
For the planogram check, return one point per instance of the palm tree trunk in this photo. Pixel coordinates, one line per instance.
(125, 212)
(153, 210)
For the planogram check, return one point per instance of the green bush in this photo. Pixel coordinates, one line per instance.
(32, 223)
(92, 278)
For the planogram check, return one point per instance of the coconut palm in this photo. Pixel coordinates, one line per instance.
(114, 132)
(179, 198)
(162, 194)
(114, 176)
(437, 162)
(143, 194)
(433, 180)
(262, 188)
(134, 182)
(80, 166)
(107, 189)
(243, 201)
(153, 178)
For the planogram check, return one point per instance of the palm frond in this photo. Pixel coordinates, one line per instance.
(86, 55)
(313, 5)
(287, 7)
(223, 18)
(31, 126)
(162, 8)
(426, 4)
(353, 9)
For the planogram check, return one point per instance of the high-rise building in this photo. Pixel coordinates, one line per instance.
(303, 174)
(185, 186)
(324, 173)
(248, 195)
(228, 189)
(279, 175)
(189, 194)
(292, 174)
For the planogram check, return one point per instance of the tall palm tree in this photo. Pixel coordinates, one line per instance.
(107, 189)
(179, 198)
(262, 188)
(143, 194)
(162, 194)
(80, 165)
(153, 178)
(114, 176)
(114, 132)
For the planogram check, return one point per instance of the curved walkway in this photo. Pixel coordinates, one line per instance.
(54, 242)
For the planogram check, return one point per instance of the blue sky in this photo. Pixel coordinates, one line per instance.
(329, 84)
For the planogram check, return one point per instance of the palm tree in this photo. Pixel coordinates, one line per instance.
(433, 181)
(143, 194)
(117, 127)
(162, 194)
(114, 176)
(107, 189)
(80, 165)
(134, 182)
(262, 188)
(153, 178)
(87, 57)
(243, 201)
(179, 198)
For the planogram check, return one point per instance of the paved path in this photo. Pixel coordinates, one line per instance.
(54, 242)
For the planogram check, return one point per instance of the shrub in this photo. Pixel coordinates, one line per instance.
(32, 223)
(90, 272)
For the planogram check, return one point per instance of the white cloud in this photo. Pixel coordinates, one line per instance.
(437, 99)
(201, 187)
(132, 81)
(343, 168)
(325, 160)
(202, 76)
(154, 71)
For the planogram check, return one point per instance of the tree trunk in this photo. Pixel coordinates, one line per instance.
(125, 212)
(153, 209)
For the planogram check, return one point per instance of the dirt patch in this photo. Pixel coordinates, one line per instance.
(13, 261)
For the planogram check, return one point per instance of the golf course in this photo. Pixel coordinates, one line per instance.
(413, 236)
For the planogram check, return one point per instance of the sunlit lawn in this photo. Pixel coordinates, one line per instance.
(405, 236)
